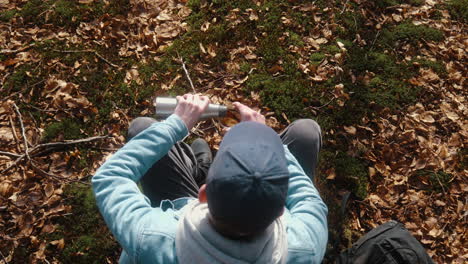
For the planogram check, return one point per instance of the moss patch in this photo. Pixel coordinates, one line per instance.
(282, 95)
(388, 3)
(69, 13)
(87, 239)
(411, 33)
(438, 180)
(7, 15)
(353, 172)
(458, 9)
(436, 66)
(67, 128)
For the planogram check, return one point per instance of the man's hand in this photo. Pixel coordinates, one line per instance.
(190, 107)
(248, 114)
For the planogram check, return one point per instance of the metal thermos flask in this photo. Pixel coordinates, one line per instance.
(165, 107)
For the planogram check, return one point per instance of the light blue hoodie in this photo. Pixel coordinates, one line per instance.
(147, 234)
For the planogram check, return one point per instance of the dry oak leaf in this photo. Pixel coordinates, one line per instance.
(58, 243)
(350, 130)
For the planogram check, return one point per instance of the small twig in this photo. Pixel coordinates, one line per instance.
(2, 82)
(440, 183)
(47, 10)
(10, 154)
(14, 132)
(74, 51)
(375, 39)
(322, 106)
(13, 164)
(105, 60)
(90, 51)
(23, 133)
(344, 7)
(105, 149)
(187, 74)
(3, 257)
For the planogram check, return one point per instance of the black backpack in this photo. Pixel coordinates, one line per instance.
(390, 243)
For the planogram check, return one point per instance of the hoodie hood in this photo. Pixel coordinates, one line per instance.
(198, 242)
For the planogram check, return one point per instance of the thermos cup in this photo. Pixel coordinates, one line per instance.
(165, 107)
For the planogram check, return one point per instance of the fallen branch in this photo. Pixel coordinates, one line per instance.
(10, 51)
(10, 154)
(90, 51)
(23, 133)
(70, 142)
(51, 146)
(187, 74)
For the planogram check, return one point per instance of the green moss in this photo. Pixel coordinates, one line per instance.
(350, 236)
(270, 50)
(245, 67)
(347, 43)
(22, 80)
(387, 3)
(32, 9)
(350, 23)
(352, 171)
(87, 238)
(381, 63)
(7, 15)
(316, 58)
(392, 93)
(436, 14)
(387, 88)
(458, 9)
(436, 66)
(114, 8)
(295, 39)
(439, 180)
(69, 13)
(55, 49)
(361, 60)
(281, 95)
(411, 33)
(66, 12)
(331, 49)
(18, 79)
(68, 128)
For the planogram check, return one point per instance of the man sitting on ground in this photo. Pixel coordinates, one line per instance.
(254, 203)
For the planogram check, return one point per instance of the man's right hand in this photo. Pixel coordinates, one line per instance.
(248, 114)
(190, 107)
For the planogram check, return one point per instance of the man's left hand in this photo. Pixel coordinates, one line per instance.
(190, 107)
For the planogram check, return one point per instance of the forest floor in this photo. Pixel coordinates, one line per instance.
(385, 79)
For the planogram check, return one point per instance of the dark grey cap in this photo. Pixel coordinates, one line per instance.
(247, 183)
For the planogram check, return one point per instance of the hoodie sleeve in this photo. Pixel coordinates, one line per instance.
(308, 211)
(118, 197)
